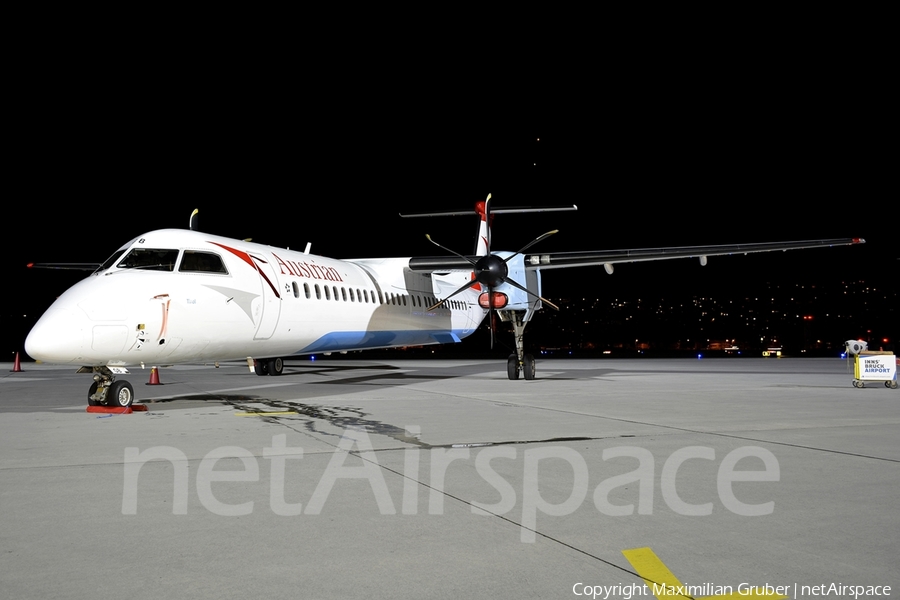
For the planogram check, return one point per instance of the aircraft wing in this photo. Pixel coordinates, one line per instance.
(562, 260)
(65, 266)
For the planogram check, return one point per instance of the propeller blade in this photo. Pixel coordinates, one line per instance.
(487, 219)
(491, 317)
(530, 293)
(491, 313)
(535, 241)
(459, 291)
(453, 252)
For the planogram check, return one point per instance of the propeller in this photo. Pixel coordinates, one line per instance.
(491, 271)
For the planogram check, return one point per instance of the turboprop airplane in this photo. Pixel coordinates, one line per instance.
(180, 296)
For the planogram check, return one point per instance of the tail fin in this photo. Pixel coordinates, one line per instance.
(483, 242)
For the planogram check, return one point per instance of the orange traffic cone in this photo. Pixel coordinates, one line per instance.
(154, 377)
(17, 366)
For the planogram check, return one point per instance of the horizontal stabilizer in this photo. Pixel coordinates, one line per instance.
(494, 211)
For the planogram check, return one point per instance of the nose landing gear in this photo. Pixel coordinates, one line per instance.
(106, 391)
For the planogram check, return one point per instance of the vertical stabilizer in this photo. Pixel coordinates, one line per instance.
(483, 243)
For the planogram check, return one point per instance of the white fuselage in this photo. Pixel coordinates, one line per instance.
(209, 298)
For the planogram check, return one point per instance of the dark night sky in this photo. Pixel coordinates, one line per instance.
(645, 170)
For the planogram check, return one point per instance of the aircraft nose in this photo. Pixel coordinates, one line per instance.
(59, 336)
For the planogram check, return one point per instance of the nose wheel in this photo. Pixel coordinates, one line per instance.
(106, 391)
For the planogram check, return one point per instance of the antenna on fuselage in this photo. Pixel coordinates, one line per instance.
(308, 246)
(192, 223)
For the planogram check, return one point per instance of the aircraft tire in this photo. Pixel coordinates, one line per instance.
(512, 367)
(120, 394)
(275, 366)
(91, 391)
(528, 367)
(261, 367)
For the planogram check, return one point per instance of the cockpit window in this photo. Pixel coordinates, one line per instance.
(201, 262)
(111, 260)
(151, 259)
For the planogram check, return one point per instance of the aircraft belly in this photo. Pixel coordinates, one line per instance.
(386, 327)
(337, 341)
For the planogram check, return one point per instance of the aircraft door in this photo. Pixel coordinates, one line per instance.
(266, 308)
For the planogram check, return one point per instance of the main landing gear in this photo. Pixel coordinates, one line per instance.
(514, 366)
(268, 366)
(106, 391)
(519, 362)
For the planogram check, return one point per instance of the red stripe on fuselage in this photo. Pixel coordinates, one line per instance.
(250, 260)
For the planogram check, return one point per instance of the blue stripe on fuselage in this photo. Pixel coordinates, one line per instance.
(362, 340)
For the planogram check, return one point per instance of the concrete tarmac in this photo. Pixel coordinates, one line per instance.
(443, 479)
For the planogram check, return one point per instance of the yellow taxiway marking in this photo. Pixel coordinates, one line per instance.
(265, 414)
(666, 586)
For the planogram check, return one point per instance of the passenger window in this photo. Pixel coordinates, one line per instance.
(296, 289)
(306, 290)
